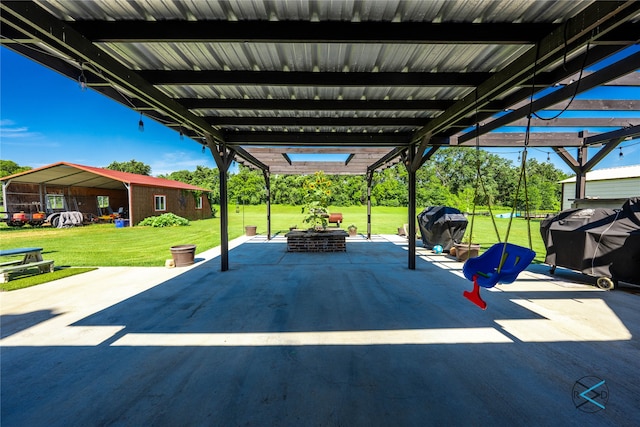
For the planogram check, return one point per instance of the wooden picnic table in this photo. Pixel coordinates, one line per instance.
(32, 258)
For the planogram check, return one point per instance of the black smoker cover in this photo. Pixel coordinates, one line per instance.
(441, 225)
(599, 242)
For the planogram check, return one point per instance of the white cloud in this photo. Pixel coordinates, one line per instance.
(178, 160)
(8, 129)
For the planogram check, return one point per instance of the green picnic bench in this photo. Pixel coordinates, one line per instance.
(32, 259)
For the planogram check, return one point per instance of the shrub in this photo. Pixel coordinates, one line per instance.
(164, 220)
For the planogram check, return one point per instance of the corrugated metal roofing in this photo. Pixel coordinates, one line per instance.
(325, 57)
(162, 55)
(309, 92)
(609, 173)
(70, 174)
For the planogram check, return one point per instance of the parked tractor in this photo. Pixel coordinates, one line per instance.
(21, 218)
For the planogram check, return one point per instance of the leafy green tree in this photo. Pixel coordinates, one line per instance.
(132, 166)
(390, 187)
(448, 178)
(247, 186)
(208, 178)
(546, 177)
(348, 190)
(550, 196)
(181, 175)
(9, 167)
(543, 188)
(203, 177)
(287, 189)
(433, 193)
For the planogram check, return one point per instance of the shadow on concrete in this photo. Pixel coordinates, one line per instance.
(261, 345)
(14, 323)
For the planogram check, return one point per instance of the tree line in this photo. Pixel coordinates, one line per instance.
(448, 178)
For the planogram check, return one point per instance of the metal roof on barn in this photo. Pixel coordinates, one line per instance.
(625, 172)
(262, 78)
(69, 174)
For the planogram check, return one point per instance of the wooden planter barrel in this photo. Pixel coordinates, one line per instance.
(183, 255)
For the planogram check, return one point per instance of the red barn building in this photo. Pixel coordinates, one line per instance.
(70, 187)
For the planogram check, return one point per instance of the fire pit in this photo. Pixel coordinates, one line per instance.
(316, 241)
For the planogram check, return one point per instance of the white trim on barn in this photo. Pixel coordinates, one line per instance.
(605, 188)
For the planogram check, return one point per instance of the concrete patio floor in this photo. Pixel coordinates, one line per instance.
(342, 339)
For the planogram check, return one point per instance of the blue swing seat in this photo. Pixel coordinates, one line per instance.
(485, 266)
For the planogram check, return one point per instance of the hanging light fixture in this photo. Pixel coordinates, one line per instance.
(82, 79)
(181, 134)
(548, 157)
(620, 154)
(519, 158)
(140, 124)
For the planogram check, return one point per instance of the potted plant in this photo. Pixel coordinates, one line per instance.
(353, 230)
(466, 249)
(316, 199)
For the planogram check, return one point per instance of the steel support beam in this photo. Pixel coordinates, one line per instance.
(629, 132)
(599, 105)
(386, 158)
(308, 78)
(590, 24)
(581, 176)
(522, 96)
(412, 208)
(511, 139)
(326, 139)
(223, 157)
(622, 67)
(317, 104)
(369, 185)
(267, 183)
(241, 152)
(566, 157)
(601, 154)
(408, 32)
(581, 165)
(375, 122)
(581, 122)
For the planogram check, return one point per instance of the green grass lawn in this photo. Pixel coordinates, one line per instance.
(106, 245)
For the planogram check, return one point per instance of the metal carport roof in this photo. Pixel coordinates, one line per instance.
(66, 174)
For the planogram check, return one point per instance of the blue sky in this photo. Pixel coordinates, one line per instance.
(46, 118)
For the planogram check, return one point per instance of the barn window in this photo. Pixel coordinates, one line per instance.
(55, 201)
(199, 202)
(103, 202)
(160, 203)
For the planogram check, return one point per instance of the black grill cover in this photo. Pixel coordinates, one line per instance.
(441, 225)
(599, 242)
